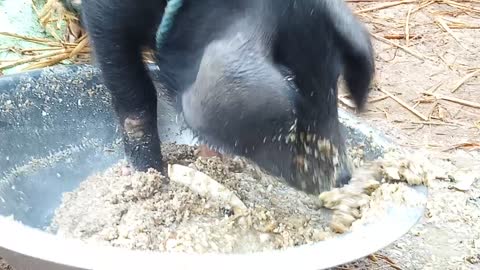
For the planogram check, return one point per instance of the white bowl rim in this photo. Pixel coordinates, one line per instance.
(29, 248)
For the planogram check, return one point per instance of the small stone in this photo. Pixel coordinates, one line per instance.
(473, 259)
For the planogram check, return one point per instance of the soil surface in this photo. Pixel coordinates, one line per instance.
(228, 205)
(4, 265)
(448, 235)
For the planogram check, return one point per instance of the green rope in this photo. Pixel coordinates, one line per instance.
(171, 10)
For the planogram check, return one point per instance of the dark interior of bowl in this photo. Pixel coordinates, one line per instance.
(57, 127)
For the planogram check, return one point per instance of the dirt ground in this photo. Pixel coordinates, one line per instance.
(436, 75)
(446, 35)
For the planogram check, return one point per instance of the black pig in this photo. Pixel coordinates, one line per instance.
(256, 78)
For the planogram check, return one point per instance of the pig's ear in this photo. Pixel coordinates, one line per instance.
(355, 44)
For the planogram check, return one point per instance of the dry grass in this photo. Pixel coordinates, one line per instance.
(72, 45)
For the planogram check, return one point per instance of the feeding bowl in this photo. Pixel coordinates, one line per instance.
(57, 128)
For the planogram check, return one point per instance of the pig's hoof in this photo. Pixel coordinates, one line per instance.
(142, 144)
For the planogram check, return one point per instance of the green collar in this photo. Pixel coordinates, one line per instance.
(171, 10)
